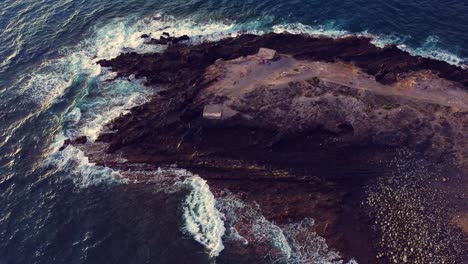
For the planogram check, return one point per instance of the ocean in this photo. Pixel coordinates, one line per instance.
(59, 207)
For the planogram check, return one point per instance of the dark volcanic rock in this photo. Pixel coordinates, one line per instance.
(183, 69)
(189, 62)
(78, 141)
(165, 39)
(337, 109)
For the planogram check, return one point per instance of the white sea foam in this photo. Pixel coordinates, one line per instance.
(311, 249)
(328, 30)
(54, 76)
(288, 243)
(109, 101)
(430, 48)
(202, 220)
(101, 101)
(89, 118)
(265, 230)
(79, 169)
(198, 32)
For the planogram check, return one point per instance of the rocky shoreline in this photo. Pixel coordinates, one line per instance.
(309, 127)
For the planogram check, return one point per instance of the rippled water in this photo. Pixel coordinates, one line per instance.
(59, 207)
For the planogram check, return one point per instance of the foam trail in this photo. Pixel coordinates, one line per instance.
(202, 220)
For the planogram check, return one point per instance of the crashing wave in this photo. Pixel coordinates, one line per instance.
(97, 102)
(108, 102)
(78, 168)
(202, 220)
(431, 49)
(292, 243)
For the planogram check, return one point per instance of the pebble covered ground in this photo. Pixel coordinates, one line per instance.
(412, 217)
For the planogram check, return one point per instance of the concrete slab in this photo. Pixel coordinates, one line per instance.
(213, 111)
(266, 54)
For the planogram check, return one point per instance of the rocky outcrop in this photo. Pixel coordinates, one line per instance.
(189, 63)
(266, 109)
(165, 39)
(77, 141)
(301, 128)
(183, 69)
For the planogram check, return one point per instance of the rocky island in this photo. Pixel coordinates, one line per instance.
(368, 143)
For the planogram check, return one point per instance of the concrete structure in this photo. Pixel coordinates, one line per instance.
(266, 54)
(213, 111)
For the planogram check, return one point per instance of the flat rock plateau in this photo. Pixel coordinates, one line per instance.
(368, 142)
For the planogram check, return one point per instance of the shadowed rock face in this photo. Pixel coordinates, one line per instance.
(303, 133)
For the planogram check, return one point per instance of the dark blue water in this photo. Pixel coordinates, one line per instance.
(58, 207)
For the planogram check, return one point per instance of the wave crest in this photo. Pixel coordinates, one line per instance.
(202, 220)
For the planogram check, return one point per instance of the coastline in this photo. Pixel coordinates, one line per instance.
(323, 153)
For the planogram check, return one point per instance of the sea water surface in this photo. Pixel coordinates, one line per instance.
(58, 207)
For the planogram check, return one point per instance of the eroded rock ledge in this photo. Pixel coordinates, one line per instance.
(305, 132)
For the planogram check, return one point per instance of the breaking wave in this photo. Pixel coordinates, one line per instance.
(75, 79)
(79, 169)
(202, 219)
(109, 101)
(98, 101)
(293, 243)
